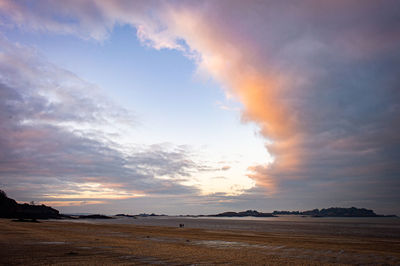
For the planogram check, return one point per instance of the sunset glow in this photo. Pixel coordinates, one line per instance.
(200, 106)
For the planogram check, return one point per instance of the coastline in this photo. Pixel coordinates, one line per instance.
(388, 227)
(71, 243)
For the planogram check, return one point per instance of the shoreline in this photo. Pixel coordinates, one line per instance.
(363, 227)
(71, 243)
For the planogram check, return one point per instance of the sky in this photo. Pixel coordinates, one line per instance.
(200, 107)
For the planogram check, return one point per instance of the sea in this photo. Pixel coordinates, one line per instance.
(388, 227)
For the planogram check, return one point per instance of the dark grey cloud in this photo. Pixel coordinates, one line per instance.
(343, 99)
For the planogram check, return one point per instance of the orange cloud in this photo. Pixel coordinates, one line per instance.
(229, 61)
(225, 168)
(71, 203)
(263, 179)
(91, 190)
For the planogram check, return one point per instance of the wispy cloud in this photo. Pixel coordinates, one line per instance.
(55, 140)
(71, 203)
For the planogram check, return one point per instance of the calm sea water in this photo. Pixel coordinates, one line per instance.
(388, 227)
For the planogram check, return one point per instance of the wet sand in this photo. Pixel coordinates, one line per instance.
(72, 243)
(366, 227)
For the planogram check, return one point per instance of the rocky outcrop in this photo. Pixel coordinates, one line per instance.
(243, 214)
(9, 208)
(126, 215)
(94, 216)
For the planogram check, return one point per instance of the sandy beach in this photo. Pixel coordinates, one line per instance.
(80, 243)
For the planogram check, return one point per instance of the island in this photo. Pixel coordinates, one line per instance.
(252, 213)
(95, 216)
(329, 212)
(334, 212)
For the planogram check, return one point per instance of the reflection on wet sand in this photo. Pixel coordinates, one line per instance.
(97, 243)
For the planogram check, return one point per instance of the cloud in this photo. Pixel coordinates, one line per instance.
(59, 138)
(319, 78)
(225, 168)
(70, 203)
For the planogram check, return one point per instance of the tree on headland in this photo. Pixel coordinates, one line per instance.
(3, 194)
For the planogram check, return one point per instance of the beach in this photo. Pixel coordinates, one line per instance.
(203, 241)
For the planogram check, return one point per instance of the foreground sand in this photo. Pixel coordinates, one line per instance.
(66, 243)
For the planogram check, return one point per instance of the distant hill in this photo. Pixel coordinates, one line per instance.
(9, 208)
(334, 212)
(243, 214)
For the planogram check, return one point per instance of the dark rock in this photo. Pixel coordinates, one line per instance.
(126, 215)
(95, 216)
(72, 253)
(26, 221)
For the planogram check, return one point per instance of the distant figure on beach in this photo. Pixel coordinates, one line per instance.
(181, 225)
